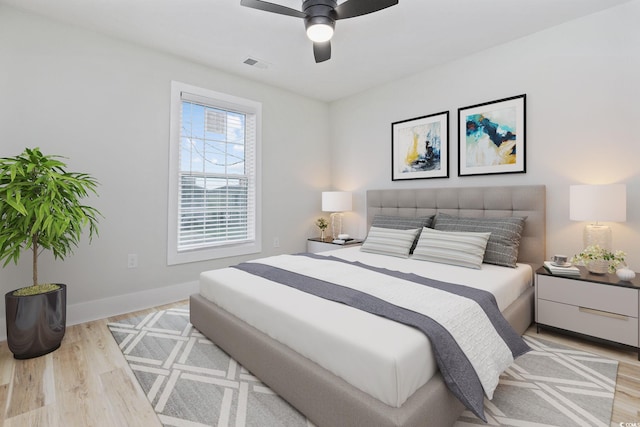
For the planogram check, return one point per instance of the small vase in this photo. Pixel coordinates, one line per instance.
(322, 234)
(625, 274)
(598, 266)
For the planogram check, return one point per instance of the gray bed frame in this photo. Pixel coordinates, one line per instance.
(329, 401)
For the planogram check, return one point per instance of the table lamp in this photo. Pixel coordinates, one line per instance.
(336, 202)
(598, 203)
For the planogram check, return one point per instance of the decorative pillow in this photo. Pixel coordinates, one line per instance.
(459, 248)
(403, 223)
(502, 247)
(388, 241)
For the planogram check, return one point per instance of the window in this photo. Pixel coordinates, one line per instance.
(214, 197)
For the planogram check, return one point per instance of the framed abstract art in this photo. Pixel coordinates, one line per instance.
(420, 147)
(491, 137)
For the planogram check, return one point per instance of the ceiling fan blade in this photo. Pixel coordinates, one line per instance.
(272, 7)
(322, 51)
(351, 8)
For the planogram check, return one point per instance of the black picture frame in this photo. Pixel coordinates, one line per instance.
(420, 147)
(492, 137)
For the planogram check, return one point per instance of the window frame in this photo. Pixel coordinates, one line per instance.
(225, 102)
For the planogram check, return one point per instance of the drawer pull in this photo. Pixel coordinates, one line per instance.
(602, 313)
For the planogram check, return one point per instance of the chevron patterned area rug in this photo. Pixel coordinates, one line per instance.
(191, 382)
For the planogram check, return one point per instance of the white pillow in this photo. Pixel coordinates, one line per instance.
(388, 241)
(464, 249)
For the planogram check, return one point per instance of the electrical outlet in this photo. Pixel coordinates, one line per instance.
(276, 242)
(132, 261)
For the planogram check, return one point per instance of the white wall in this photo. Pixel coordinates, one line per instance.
(583, 92)
(104, 104)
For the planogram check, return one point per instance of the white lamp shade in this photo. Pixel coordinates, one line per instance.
(336, 201)
(598, 203)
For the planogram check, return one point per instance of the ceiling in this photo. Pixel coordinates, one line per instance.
(366, 51)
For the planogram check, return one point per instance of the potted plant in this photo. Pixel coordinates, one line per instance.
(599, 260)
(40, 209)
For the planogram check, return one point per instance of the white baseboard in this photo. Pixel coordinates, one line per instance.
(120, 304)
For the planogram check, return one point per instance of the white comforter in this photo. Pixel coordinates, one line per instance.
(348, 342)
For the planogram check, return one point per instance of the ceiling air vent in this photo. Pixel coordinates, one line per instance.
(258, 63)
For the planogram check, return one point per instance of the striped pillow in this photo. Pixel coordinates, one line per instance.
(403, 223)
(506, 232)
(452, 247)
(388, 241)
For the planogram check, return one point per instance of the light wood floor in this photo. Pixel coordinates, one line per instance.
(87, 382)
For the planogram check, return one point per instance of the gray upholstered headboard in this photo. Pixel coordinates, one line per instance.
(525, 200)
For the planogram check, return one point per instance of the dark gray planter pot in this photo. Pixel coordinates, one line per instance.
(36, 323)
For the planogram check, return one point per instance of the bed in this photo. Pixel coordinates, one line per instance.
(326, 398)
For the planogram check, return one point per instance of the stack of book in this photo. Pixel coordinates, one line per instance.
(568, 270)
(347, 241)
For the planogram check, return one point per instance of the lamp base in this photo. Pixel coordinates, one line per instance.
(596, 234)
(336, 224)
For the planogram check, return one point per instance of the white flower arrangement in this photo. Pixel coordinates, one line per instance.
(596, 253)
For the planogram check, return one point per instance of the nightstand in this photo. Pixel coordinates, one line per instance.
(594, 305)
(316, 244)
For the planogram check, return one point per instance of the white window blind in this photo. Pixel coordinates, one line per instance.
(217, 188)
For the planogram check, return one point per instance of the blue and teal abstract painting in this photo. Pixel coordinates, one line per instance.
(491, 138)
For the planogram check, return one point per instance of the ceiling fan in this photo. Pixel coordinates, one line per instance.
(320, 17)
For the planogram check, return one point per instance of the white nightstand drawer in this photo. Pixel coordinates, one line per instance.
(622, 329)
(315, 246)
(612, 299)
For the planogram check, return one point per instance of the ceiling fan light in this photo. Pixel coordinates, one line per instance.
(320, 32)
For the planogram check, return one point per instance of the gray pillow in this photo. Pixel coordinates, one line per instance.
(403, 223)
(504, 242)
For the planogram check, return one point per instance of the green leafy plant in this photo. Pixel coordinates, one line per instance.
(41, 207)
(322, 223)
(597, 253)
